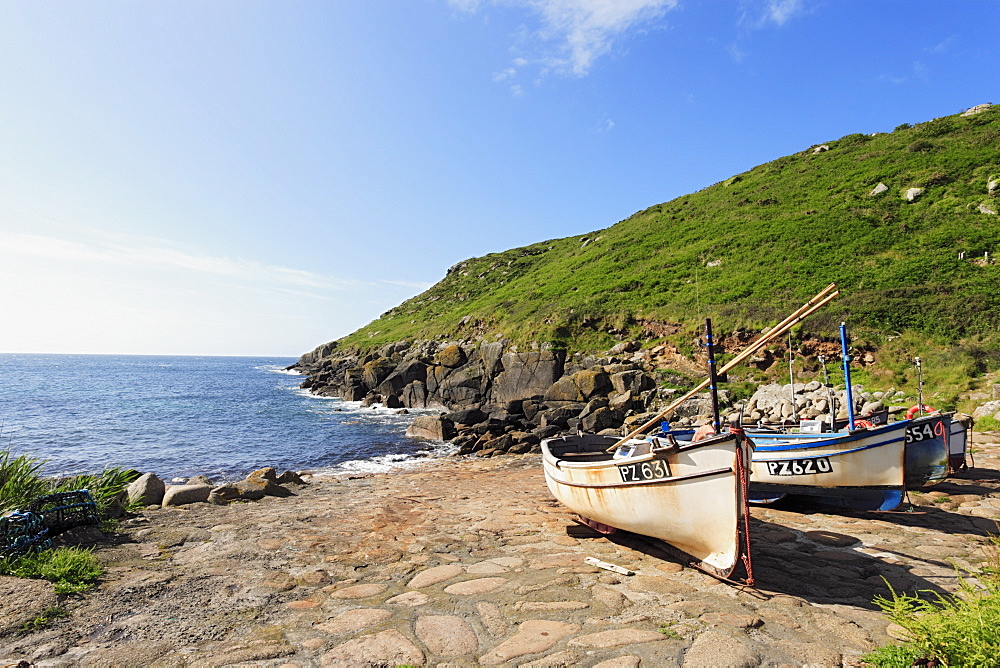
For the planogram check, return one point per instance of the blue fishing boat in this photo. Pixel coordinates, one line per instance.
(864, 465)
(866, 468)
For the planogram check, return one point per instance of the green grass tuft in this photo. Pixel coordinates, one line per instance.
(107, 488)
(20, 481)
(987, 423)
(71, 570)
(954, 630)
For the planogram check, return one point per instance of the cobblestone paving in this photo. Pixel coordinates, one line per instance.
(471, 562)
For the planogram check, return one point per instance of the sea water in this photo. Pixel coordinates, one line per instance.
(182, 416)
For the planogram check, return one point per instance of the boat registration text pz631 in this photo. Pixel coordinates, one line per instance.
(651, 470)
(799, 466)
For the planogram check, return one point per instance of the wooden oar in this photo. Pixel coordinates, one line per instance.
(807, 309)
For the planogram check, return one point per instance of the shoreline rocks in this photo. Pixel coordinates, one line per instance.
(149, 491)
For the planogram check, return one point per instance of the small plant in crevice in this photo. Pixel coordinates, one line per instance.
(47, 616)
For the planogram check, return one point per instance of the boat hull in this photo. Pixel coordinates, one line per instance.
(869, 458)
(902, 455)
(958, 440)
(694, 506)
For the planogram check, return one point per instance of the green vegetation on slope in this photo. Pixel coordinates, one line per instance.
(747, 250)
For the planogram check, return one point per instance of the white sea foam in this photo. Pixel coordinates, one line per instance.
(388, 463)
(273, 368)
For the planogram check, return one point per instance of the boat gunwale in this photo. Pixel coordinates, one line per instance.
(560, 463)
(811, 446)
(637, 483)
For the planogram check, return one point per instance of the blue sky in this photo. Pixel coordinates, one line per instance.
(241, 177)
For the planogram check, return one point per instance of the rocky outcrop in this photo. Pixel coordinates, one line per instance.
(499, 399)
(812, 401)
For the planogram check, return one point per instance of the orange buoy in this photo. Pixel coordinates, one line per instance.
(915, 408)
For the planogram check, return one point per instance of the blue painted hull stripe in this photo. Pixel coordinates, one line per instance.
(810, 446)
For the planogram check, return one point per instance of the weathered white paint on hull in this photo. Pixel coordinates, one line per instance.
(909, 453)
(876, 460)
(696, 509)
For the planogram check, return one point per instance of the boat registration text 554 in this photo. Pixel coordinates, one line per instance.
(924, 432)
(649, 470)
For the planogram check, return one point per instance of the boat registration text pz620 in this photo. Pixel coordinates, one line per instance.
(799, 466)
(651, 470)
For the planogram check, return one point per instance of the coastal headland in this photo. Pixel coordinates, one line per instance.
(469, 561)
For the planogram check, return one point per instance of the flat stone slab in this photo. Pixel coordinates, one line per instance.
(616, 638)
(359, 591)
(388, 647)
(508, 562)
(831, 538)
(627, 661)
(487, 568)
(729, 619)
(353, 620)
(555, 660)
(556, 561)
(446, 635)
(714, 648)
(475, 587)
(434, 575)
(492, 618)
(548, 606)
(654, 584)
(532, 637)
(410, 599)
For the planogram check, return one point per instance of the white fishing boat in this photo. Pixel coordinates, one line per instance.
(690, 495)
(870, 466)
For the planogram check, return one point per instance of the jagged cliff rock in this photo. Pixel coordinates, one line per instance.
(494, 398)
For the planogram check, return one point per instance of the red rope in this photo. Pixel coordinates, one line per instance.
(745, 489)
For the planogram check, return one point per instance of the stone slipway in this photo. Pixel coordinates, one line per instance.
(470, 562)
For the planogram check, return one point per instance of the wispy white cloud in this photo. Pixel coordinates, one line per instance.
(918, 73)
(944, 46)
(571, 35)
(506, 74)
(159, 255)
(759, 13)
(780, 11)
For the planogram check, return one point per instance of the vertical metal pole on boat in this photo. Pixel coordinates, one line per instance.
(920, 386)
(831, 398)
(712, 381)
(845, 356)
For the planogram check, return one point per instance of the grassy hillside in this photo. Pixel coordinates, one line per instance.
(753, 247)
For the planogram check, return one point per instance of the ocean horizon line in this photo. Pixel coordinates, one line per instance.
(237, 355)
